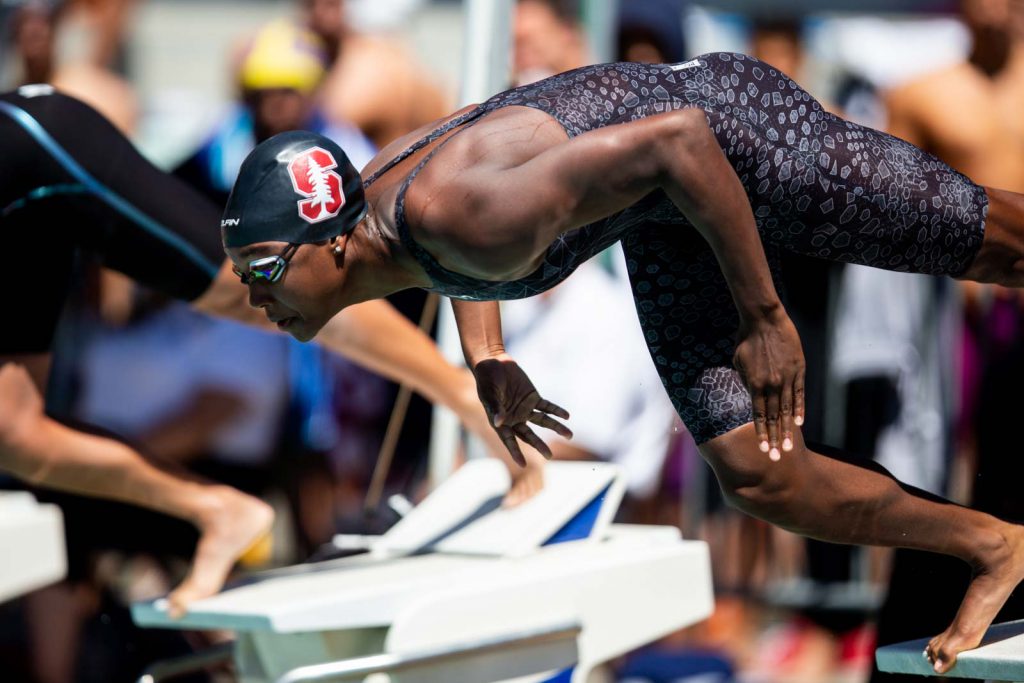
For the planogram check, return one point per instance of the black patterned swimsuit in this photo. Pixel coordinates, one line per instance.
(818, 185)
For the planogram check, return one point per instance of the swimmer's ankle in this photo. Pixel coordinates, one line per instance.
(210, 503)
(992, 547)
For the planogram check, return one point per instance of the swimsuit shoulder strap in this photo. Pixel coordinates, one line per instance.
(424, 141)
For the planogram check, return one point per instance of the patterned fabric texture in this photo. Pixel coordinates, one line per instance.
(817, 184)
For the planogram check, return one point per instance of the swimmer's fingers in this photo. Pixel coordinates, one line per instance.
(548, 422)
(546, 406)
(528, 437)
(760, 420)
(786, 416)
(798, 399)
(508, 437)
(772, 420)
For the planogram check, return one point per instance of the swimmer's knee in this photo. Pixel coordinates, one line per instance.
(749, 480)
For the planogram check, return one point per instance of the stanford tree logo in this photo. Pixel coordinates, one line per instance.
(313, 178)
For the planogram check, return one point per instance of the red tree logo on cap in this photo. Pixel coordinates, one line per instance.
(313, 178)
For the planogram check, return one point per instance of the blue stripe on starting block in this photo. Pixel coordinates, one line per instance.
(561, 676)
(582, 525)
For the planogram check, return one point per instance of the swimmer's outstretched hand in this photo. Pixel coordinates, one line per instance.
(771, 361)
(512, 402)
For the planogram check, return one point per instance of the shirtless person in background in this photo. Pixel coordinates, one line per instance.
(373, 82)
(968, 115)
(983, 134)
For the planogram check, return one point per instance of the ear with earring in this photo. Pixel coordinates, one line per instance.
(337, 249)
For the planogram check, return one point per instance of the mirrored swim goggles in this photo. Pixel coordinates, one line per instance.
(269, 268)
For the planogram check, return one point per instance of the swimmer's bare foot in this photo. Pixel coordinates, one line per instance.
(230, 524)
(997, 573)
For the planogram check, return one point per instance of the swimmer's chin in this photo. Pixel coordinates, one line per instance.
(302, 333)
(303, 330)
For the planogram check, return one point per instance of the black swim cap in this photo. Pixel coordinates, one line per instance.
(296, 187)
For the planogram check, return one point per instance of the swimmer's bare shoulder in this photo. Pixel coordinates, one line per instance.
(400, 144)
(460, 190)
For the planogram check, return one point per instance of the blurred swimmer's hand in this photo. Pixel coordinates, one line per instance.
(527, 481)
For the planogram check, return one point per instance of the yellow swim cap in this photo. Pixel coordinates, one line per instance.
(282, 55)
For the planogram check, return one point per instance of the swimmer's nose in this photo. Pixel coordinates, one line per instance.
(258, 296)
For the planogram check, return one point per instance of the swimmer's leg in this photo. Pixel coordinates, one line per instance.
(858, 502)
(689, 322)
(44, 452)
(1001, 257)
(826, 187)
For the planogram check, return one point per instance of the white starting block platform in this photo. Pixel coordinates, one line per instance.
(32, 543)
(462, 590)
(999, 658)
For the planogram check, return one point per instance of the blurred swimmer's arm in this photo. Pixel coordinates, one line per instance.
(380, 339)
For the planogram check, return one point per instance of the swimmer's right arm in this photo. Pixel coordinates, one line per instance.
(603, 171)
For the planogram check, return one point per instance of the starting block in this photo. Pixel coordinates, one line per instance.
(462, 590)
(34, 535)
(1000, 657)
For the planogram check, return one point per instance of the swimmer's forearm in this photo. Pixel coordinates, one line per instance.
(479, 325)
(382, 340)
(372, 334)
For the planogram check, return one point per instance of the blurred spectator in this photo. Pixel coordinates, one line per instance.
(108, 22)
(374, 83)
(968, 115)
(34, 28)
(651, 31)
(547, 39)
(621, 414)
(779, 42)
(278, 75)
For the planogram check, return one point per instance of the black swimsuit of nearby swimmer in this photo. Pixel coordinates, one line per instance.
(69, 181)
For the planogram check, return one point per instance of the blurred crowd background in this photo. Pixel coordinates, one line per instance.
(914, 373)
